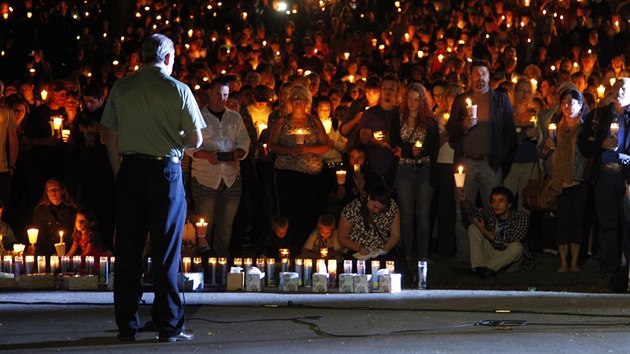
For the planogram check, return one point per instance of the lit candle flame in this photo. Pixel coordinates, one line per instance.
(460, 169)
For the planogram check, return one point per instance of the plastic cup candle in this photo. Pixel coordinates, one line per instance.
(65, 135)
(30, 265)
(341, 177)
(32, 235)
(271, 272)
(534, 83)
(332, 272)
(57, 123)
(356, 168)
(41, 264)
(298, 269)
(201, 227)
(552, 129)
(460, 177)
(186, 264)
(89, 265)
(418, 144)
(447, 116)
(323, 252)
(360, 267)
(612, 81)
(601, 90)
(18, 248)
(347, 266)
(44, 95)
(299, 136)
(308, 269)
(379, 135)
(614, 129)
(534, 121)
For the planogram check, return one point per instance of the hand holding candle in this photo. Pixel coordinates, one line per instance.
(460, 177)
(471, 112)
(552, 130)
(201, 227)
(341, 177)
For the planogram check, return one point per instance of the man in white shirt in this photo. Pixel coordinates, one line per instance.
(216, 180)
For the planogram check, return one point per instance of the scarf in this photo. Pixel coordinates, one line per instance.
(562, 164)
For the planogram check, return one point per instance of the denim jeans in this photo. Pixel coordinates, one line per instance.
(414, 193)
(218, 207)
(480, 178)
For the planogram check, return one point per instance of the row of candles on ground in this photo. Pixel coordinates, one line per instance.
(24, 265)
(217, 268)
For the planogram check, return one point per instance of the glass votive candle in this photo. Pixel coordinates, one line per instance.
(89, 265)
(30, 264)
(186, 264)
(41, 264)
(347, 266)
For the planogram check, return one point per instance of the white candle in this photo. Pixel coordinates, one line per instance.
(271, 272)
(186, 264)
(360, 267)
(30, 265)
(332, 272)
(44, 95)
(54, 264)
(8, 264)
(320, 267)
(390, 266)
(298, 270)
(460, 177)
(76, 264)
(103, 271)
(347, 266)
(57, 123)
(61, 236)
(17, 266)
(552, 128)
(284, 265)
(41, 264)
(308, 268)
(89, 265)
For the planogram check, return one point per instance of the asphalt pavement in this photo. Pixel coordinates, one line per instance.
(413, 321)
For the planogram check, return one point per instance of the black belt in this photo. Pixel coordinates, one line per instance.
(476, 157)
(146, 157)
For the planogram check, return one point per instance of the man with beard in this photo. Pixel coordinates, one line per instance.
(482, 133)
(610, 152)
(482, 142)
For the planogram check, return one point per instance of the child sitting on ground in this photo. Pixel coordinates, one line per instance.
(275, 239)
(324, 236)
(86, 236)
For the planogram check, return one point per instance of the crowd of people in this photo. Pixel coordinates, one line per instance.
(355, 111)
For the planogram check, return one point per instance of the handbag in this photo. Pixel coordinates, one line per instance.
(538, 195)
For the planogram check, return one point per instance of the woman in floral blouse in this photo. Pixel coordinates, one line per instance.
(370, 224)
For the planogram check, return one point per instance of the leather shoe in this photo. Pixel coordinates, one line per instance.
(184, 335)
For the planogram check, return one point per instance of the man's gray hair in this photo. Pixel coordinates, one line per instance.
(156, 47)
